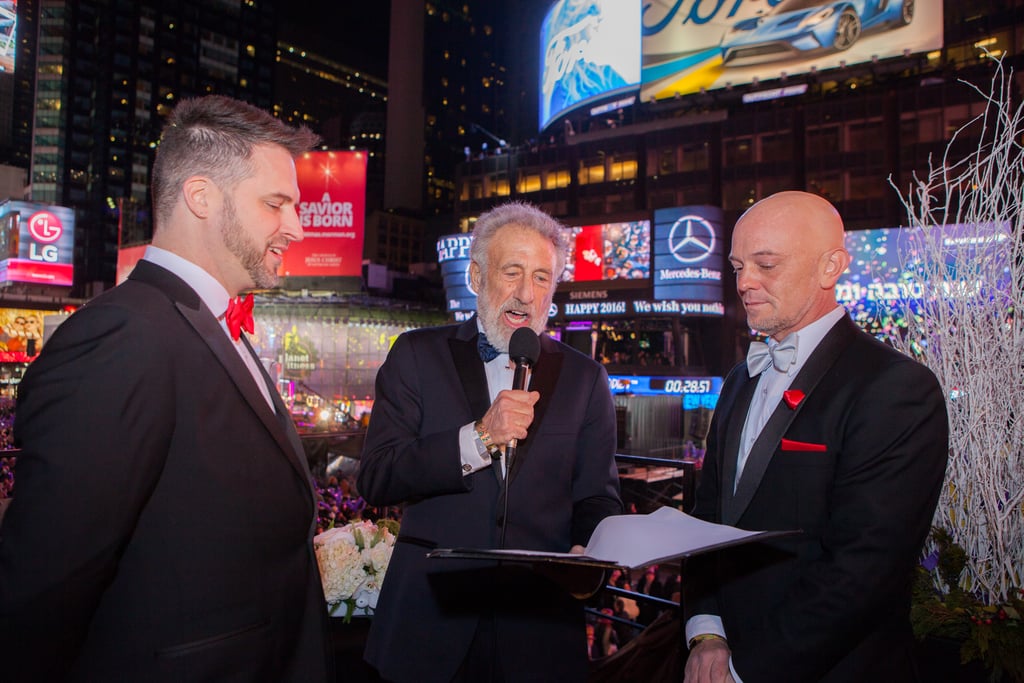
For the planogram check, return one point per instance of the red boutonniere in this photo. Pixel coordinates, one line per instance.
(793, 398)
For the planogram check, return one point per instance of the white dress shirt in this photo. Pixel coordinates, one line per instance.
(500, 373)
(772, 383)
(216, 299)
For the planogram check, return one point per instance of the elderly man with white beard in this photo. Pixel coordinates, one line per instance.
(445, 410)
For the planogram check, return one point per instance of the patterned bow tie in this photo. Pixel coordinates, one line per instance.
(239, 316)
(487, 352)
(761, 355)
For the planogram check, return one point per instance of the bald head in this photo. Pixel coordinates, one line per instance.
(808, 217)
(788, 252)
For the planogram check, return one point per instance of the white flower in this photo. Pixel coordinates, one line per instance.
(341, 567)
(353, 560)
(378, 557)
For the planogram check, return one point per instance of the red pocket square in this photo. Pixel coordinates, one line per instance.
(790, 445)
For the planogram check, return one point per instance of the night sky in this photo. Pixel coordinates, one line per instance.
(352, 33)
(356, 34)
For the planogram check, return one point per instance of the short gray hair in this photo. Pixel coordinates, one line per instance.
(526, 216)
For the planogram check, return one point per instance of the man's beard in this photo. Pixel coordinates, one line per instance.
(245, 249)
(490, 319)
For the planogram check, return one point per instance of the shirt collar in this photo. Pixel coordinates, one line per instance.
(205, 285)
(810, 336)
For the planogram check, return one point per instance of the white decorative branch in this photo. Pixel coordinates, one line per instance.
(969, 330)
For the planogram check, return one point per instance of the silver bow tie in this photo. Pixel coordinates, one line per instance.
(780, 356)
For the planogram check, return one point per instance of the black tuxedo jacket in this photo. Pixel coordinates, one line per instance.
(563, 481)
(162, 522)
(857, 465)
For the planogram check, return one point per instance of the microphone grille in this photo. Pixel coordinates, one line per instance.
(525, 345)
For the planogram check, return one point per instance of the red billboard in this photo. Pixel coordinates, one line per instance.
(332, 207)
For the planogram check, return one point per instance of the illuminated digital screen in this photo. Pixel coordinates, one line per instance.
(609, 251)
(332, 208)
(589, 50)
(38, 243)
(453, 257)
(696, 392)
(883, 279)
(596, 50)
(689, 247)
(706, 45)
(8, 34)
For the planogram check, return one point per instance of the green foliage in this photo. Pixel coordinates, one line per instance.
(993, 634)
(389, 524)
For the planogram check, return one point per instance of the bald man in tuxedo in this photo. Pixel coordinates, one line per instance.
(826, 430)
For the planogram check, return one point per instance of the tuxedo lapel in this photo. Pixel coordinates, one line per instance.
(470, 368)
(472, 376)
(206, 325)
(284, 419)
(543, 379)
(733, 437)
(823, 357)
(204, 322)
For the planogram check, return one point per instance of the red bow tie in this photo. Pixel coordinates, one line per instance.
(239, 316)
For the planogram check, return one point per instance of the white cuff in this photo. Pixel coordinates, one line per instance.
(471, 450)
(704, 623)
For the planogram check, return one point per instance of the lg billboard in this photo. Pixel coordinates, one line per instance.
(36, 243)
(689, 45)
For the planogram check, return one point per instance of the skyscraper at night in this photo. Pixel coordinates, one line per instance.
(98, 78)
(447, 78)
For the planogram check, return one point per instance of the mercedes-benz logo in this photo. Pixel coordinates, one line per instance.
(695, 241)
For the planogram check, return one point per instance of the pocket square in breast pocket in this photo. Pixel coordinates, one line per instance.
(790, 445)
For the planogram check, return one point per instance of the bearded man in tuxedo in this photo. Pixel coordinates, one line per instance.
(162, 525)
(445, 407)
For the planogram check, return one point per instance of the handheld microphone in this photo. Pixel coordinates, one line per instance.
(523, 350)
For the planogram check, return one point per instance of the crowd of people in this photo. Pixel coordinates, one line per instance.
(620, 618)
(6, 462)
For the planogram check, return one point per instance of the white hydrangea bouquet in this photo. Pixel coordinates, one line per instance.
(353, 560)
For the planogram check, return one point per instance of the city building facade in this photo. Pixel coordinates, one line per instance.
(856, 135)
(102, 78)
